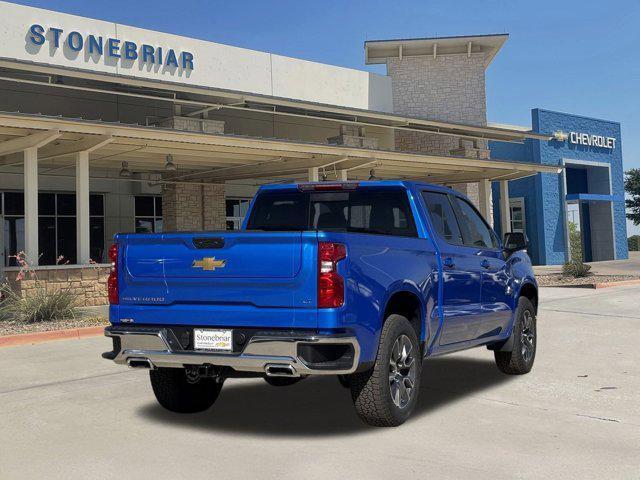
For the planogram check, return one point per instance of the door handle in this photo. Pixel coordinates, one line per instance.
(448, 263)
(485, 263)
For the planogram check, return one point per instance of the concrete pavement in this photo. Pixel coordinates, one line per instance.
(66, 413)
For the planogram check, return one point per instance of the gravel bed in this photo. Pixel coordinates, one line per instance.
(558, 280)
(15, 328)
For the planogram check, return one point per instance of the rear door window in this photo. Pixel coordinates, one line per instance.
(443, 217)
(475, 231)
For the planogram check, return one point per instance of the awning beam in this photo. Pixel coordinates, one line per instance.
(35, 140)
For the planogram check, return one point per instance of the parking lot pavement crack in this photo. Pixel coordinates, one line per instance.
(632, 317)
(61, 382)
(597, 418)
(540, 408)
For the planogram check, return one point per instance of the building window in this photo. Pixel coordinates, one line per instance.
(516, 205)
(236, 210)
(56, 227)
(148, 213)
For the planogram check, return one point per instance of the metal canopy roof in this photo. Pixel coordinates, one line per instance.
(377, 51)
(219, 158)
(201, 98)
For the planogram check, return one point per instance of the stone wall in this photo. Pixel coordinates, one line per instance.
(449, 88)
(89, 284)
(193, 207)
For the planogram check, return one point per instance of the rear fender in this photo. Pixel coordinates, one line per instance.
(408, 287)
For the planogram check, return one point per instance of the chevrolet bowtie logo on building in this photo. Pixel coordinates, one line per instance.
(209, 263)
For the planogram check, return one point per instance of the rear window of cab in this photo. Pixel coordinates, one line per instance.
(373, 211)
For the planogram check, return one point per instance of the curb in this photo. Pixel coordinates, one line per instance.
(51, 335)
(597, 286)
(616, 284)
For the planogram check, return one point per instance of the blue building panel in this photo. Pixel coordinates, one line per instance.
(592, 147)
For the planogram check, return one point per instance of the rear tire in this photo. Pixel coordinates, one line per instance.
(282, 381)
(176, 394)
(520, 360)
(386, 395)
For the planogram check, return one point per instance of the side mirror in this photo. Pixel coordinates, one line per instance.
(515, 241)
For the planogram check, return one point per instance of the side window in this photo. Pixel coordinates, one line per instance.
(475, 231)
(380, 212)
(443, 217)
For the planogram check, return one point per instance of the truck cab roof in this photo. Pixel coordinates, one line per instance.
(350, 184)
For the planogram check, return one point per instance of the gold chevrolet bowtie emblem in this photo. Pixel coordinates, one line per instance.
(209, 263)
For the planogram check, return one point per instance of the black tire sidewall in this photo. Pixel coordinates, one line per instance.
(395, 326)
(175, 393)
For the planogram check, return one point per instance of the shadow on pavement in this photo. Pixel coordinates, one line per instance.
(320, 406)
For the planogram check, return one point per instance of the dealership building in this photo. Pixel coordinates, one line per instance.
(108, 128)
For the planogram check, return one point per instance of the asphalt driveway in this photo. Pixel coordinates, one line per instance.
(66, 413)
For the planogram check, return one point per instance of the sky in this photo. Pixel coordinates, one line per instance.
(572, 56)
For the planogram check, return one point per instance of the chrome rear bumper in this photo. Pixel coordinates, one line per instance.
(160, 348)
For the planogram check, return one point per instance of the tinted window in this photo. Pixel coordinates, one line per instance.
(14, 203)
(385, 212)
(144, 206)
(475, 231)
(442, 217)
(96, 205)
(280, 211)
(66, 204)
(46, 204)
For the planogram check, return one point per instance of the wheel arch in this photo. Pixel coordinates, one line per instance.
(406, 301)
(529, 290)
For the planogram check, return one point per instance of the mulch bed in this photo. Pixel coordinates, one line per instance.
(558, 280)
(16, 328)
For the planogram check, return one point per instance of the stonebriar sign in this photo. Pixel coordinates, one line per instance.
(115, 48)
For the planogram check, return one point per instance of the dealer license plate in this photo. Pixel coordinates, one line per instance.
(214, 340)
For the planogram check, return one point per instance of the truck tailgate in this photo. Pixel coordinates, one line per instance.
(220, 278)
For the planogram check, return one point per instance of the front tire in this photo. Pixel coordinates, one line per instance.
(524, 340)
(175, 393)
(386, 395)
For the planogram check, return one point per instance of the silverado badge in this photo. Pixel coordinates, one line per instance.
(209, 263)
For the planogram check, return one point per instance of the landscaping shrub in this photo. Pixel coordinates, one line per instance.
(576, 269)
(575, 242)
(37, 306)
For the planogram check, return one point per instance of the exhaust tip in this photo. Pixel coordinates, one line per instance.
(140, 363)
(280, 370)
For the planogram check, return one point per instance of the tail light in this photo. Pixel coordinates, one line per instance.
(330, 282)
(112, 282)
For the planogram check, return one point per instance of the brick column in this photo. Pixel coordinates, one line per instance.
(449, 88)
(214, 208)
(187, 207)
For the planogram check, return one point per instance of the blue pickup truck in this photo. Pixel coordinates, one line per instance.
(358, 280)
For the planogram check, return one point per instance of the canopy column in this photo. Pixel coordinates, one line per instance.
(484, 197)
(505, 208)
(82, 208)
(31, 248)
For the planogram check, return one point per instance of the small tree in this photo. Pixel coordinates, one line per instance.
(634, 243)
(632, 187)
(575, 242)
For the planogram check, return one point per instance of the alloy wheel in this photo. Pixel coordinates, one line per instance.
(528, 336)
(402, 371)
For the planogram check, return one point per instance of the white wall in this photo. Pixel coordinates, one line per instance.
(215, 65)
